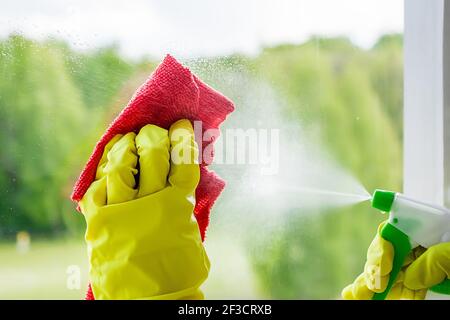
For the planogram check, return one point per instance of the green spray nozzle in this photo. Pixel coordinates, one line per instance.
(383, 200)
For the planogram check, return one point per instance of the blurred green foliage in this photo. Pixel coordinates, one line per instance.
(345, 98)
(51, 104)
(354, 96)
(54, 103)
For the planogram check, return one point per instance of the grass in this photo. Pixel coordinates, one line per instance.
(46, 271)
(41, 273)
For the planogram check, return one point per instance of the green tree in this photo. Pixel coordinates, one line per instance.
(52, 102)
(40, 109)
(331, 90)
(99, 75)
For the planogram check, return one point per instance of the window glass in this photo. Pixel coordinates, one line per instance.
(317, 87)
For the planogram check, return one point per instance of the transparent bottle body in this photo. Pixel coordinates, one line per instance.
(425, 224)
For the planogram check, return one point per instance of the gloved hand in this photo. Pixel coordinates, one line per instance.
(430, 269)
(143, 240)
(378, 266)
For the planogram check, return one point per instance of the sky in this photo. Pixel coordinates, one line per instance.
(198, 28)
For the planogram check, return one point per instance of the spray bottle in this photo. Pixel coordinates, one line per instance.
(411, 223)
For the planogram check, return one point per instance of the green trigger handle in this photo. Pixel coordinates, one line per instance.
(402, 247)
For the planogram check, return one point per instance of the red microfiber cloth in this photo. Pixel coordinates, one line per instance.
(171, 93)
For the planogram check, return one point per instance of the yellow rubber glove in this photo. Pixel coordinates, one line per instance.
(375, 277)
(430, 269)
(143, 240)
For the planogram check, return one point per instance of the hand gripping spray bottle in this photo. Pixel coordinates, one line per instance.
(411, 223)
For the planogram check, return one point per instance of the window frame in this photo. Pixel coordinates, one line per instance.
(426, 155)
